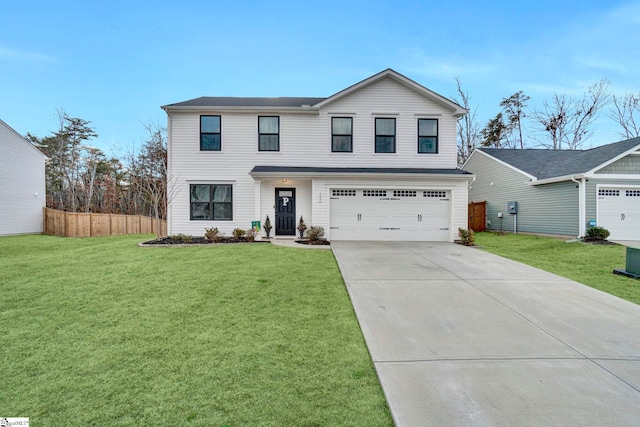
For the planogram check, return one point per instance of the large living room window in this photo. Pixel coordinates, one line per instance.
(210, 133)
(211, 202)
(341, 134)
(269, 133)
(428, 136)
(385, 135)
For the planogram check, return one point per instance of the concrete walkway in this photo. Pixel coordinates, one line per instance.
(462, 337)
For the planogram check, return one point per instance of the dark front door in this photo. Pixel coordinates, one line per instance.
(285, 211)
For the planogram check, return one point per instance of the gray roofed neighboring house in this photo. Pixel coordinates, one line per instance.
(560, 191)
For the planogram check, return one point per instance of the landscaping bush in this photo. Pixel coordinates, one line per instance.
(314, 233)
(597, 233)
(301, 227)
(212, 234)
(466, 236)
(184, 238)
(250, 235)
(238, 233)
(267, 226)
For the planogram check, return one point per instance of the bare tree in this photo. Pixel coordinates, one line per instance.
(514, 109)
(567, 119)
(468, 129)
(626, 112)
(148, 173)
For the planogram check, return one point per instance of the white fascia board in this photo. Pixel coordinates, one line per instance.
(558, 179)
(214, 109)
(359, 175)
(626, 177)
(478, 150)
(615, 159)
(458, 110)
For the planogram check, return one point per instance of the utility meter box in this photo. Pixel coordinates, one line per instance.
(512, 207)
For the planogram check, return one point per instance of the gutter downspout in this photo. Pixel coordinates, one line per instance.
(582, 206)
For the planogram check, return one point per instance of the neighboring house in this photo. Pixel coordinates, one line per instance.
(376, 161)
(22, 184)
(560, 191)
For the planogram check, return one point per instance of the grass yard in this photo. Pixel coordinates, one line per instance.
(99, 331)
(589, 264)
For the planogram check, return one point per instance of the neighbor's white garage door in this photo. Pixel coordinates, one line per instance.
(619, 212)
(377, 214)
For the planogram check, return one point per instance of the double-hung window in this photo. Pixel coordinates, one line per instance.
(211, 202)
(210, 133)
(385, 135)
(341, 134)
(428, 136)
(269, 133)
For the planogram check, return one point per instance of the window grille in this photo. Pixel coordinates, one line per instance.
(404, 193)
(347, 193)
(438, 194)
(374, 193)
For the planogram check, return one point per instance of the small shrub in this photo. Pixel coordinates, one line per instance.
(301, 226)
(466, 236)
(315, 233)
(251, 234)
(267, 226)
(597, 233)
(238, 233)
(212, 234)
(184, 238)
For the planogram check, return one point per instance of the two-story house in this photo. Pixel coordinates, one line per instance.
(375, 161)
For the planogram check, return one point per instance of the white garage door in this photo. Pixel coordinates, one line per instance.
(379, 214)
(619, 212)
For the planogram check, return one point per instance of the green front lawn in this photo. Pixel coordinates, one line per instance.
(99, 331)
(589, 264)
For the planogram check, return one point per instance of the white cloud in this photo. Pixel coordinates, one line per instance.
(24, 55)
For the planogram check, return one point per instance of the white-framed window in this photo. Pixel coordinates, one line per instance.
(211, 202)
(385, 140)
(210, 133)
(342, 134)
(428, 136)
(268, 133)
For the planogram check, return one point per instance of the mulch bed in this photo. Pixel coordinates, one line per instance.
(169, 240)
(597, 241)
(320, 242)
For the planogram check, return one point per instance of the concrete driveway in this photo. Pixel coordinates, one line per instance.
(462, 337)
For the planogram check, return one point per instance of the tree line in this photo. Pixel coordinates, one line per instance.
(82, 178)
(564, 122)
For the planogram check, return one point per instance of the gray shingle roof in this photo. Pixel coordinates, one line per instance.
(544, 164)
(301, 169)
(228, 101)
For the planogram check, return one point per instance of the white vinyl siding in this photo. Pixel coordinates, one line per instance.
(22, 184)
(305, 140)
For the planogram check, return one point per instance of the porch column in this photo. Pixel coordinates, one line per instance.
(582, 201)
(257, 200)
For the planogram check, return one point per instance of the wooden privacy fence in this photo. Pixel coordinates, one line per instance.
(477, 216)
(71, 224)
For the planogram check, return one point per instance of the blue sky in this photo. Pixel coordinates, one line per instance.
(115, 63)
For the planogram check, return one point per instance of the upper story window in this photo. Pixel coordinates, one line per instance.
(211, 201)
(385, 135)
(210, 135)
(342, 134)
(269, 133)
(428, 136)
